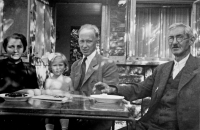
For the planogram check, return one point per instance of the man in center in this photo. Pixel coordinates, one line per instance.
(89, 70)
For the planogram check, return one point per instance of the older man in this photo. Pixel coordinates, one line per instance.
(173, 87)
(91, 69)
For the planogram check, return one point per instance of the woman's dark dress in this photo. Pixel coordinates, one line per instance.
(14, 77)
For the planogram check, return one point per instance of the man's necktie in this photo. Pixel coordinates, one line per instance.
(83, 69)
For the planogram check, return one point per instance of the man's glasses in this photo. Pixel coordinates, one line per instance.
(179, 38)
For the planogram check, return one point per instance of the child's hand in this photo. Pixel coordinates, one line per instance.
(55, 92)
(68, 98)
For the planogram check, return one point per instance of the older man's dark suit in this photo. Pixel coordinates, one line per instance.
(188, 97)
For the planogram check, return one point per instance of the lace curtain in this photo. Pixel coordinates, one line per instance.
(152, 28)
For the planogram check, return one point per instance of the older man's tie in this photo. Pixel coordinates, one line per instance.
(83, 69)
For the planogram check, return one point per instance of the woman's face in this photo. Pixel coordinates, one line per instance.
(15, 48)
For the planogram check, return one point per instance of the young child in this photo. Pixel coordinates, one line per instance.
(57, 84)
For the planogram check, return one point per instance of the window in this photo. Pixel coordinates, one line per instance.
(152, 25)
(145, 26)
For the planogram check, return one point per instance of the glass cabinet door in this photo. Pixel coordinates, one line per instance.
(136, 30)
(196, 26)
(114, 30)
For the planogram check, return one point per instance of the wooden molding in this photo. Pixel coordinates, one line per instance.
(166, 1)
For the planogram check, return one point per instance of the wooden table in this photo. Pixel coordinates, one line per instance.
(78, 107)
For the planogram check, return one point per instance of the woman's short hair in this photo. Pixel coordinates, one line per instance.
(188, 29)
(90, 26)
(64, 60)
(15, 36)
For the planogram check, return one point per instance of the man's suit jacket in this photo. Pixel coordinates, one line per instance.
(100, 69)
(188, 98)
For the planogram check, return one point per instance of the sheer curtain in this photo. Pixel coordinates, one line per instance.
(152, 28)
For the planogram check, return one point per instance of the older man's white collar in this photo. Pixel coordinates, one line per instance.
(178, 66)
(183, 61)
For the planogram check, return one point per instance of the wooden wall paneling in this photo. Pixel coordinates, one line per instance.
(131, 29)
(118, 32)
(196, 26)
(104, 30)
(1, 24)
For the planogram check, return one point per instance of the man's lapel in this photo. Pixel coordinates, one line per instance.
(158, 91)
(166, 72)
(77, 74)
(188, 72)
(92, 67)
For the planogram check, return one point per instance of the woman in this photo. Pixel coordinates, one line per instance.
(16, 75)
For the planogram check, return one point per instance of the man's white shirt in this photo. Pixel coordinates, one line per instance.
(89, 59)
(178, 66)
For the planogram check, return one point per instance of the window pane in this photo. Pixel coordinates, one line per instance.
(152, 27)
(117, 30)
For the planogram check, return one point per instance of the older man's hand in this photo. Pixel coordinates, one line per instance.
(103, 88)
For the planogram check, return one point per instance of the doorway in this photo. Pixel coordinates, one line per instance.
(70, 15)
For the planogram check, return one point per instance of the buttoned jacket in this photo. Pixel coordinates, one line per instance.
(188, 95)
(100, 69)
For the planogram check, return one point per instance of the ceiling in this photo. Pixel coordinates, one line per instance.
(78, 1)
(78, 9)
(104, 1)
(167, 1)
(93, 7)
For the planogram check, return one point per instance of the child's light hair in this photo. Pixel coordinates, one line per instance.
(64, 60)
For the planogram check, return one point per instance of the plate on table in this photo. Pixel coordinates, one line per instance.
(49, 97)
(107, 106)
(104, 98)
(23, 97)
